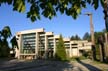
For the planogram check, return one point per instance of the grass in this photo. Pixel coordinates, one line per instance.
(74, 58)
(98, 62)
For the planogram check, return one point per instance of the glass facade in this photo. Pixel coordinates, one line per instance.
(41, 41)
(50, 42)
(28, 43)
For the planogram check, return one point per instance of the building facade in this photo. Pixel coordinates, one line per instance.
(37, 43)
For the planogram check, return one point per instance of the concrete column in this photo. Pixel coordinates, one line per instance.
(54, 49)
(78, 50)
(36, 44)
(46, 46)
(70, 51)
(19, 45)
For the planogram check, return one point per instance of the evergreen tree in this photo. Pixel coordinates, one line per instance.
(86, 36)
(76, 37)
(60, 50)
(72, 38)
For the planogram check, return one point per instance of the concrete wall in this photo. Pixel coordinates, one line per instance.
(72, 47)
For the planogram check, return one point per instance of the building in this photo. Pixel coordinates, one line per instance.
(37, 43)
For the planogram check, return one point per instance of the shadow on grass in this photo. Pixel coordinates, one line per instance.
(88, 66)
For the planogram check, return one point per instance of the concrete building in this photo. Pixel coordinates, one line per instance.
(37, 43)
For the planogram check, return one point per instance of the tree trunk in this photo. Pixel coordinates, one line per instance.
(93, 52)
(101, 59)
(106, 25)
(105, 11)
(106, 47)
(102, 52)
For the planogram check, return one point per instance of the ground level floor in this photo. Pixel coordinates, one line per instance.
(42, 54)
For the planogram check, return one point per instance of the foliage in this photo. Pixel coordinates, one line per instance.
(86, 36)
(98, 35)
(76, 37)
(87, 54)
(5, 33)
(60, 50)
(49, 8)
(80, 58)
(14, 42)
(97, 52)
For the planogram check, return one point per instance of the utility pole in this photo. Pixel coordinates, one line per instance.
(92, 37)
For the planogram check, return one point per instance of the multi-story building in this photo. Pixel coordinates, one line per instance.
(37, 43)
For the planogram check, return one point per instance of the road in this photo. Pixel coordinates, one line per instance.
(49, 65)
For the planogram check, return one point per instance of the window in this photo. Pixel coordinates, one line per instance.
(28, 43)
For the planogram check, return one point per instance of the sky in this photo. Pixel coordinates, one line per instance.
(61, 24)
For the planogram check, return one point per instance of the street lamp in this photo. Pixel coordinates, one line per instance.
(91, 28)
(92, 36)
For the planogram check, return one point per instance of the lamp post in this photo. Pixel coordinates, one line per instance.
(92, 36)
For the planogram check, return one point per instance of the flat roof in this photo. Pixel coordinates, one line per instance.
(31, 31)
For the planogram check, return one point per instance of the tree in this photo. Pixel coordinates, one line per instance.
(100, 42)
(0, 44)
(97, 35)
(14, 42)
(105, 11)
(60, 49)
(86, 36)
(4, 35)
(49, 8)
(99, 49)
(76, 37)
(72, 38)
